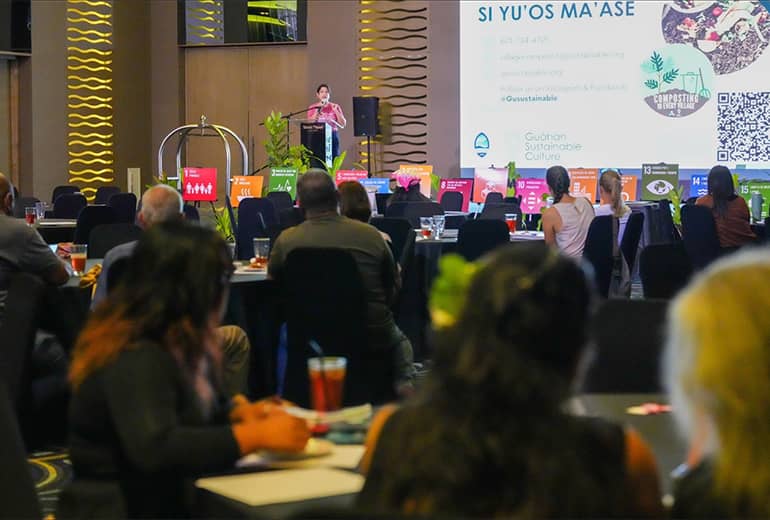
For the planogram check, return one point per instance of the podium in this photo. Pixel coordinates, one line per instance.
(317, 137)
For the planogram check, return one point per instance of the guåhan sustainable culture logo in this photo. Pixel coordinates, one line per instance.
(676, 80)
(481, 144)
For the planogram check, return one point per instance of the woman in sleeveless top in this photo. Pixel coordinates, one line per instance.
(566, 223)
(488, 435)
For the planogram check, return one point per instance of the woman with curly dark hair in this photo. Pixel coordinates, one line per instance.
(147, 412)
(566, 223)
(488, 434)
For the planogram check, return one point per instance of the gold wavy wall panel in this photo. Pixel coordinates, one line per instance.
(89, 95)
(204, 22)
(394, 65)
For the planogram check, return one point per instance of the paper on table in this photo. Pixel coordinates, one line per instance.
(291, 485)
(343, 457)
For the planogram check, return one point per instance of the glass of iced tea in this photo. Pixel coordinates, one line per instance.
(78, 254)
(261, 252)
(30, 215)
(511, 219)
(426, 226)
(327, 380)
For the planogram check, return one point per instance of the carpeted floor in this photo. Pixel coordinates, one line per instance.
(51, 470)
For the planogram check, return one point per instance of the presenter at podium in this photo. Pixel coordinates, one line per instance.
(326, 112)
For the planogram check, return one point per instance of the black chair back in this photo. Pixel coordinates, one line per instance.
(124, 205)
(415, 210)
(664, 269)
(598, 252)
(89, 218)
(699, 235)
(494, 197)
(668, 232)
(103, 194)
(18, 497)
(381, 200)
(69, 205)
(477, 237)
(497, 211)
(281, 200)
(325, 301)
(401, 233)
(24, 301)
(631, 236)
(252, 223)
(290, 217)
(452, 201)
(63, 190)
(629, 336)
(454, 221)
(106, 236)
(23, 203)
(191, 213)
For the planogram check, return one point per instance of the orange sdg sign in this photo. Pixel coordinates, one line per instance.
(583, 182)
(629, 187)
(245, 186)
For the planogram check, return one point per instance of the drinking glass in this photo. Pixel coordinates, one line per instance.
(29, 216)
(438, 225)
(511, 219)
(40, 208)
(426, 226)
(327, 381)
(78, 254)
(261, 252)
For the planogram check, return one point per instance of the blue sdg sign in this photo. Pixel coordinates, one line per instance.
(481, 144)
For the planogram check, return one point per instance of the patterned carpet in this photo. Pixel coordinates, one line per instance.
(51, 471)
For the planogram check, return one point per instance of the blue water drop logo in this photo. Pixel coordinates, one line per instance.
(481, 144)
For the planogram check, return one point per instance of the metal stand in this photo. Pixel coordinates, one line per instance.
(369, 156)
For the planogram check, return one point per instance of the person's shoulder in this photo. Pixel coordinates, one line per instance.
(705, 200)
(15, 227)
(120, 251)
(142, 353)
(739, 201)
(603, 209)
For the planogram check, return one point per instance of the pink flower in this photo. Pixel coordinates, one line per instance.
(689, 22)
(716, 11)
(713, 36)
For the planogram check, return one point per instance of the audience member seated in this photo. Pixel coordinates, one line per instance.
(148, 413)
(162, 203)
(731, 214)
(719, 383)
(611, 200)
(408, 190)
(566, 223)
(325, 227)
(22, 249)
(355, 203)
(488, 435)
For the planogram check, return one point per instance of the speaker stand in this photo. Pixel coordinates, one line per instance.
(369, 156)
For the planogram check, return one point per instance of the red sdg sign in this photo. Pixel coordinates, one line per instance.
(199, 184)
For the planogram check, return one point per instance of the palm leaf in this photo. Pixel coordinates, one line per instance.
(657, 61)
(651, 83)
(671, 75)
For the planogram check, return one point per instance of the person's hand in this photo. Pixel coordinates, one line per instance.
(276, 431)
(242, 408)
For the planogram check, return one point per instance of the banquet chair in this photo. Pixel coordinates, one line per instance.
(629, 245)
(124, 205)
(497, 211)
(191, 213)
(90, 217)
(290, 217)
(325, 301)
(381, 200)
(415, 210)
(252, 223)
(668, 233)
(494, 197)
(454, 221)
(65, 189)
(452, 201)
(103, 194)
(18, 497)
(106, 236)
(664, 269)
(477, 237)
(402, 235)
(699, 235)
(23, 203)
(598, 252)
(280, 199)
(68, 206)
(628, 336)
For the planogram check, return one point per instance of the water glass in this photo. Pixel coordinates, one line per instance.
(261, 252)
(40, 208)
(426, 226)
(439, 222)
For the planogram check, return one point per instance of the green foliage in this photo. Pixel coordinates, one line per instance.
(651, 84)
(450, 289)
(222, 223)
(278, 154)
(165, 180)
(657, 61)
(676, 201)
(513, 176)
(336, 165)
(435, 182)
(671, 75)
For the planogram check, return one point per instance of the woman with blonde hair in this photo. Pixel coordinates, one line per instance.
(719, 383)
(611, 199)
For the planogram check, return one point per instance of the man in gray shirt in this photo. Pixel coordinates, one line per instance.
(22, 249)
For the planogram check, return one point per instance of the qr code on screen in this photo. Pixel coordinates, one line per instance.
(743, 126)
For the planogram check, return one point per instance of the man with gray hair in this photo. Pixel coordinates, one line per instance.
(162, 203)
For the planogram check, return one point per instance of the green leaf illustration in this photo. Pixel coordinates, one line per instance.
(657, 61)
(671, 75)
(651, 84)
